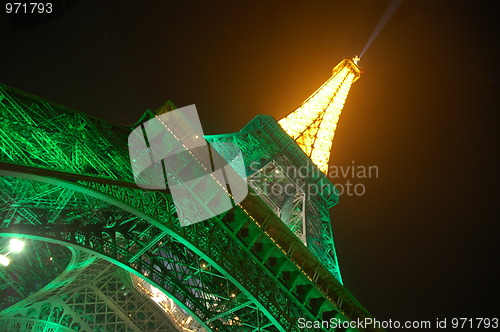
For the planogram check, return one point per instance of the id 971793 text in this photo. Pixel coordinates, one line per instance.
(28, 7)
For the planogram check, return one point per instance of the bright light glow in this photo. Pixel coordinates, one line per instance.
(4, 260)
(179, 317)
(16, 245)
(313, 124)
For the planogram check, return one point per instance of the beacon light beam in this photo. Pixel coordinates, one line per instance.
(389, 11)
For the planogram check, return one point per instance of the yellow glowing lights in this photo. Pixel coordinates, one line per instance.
(183, 321)
(313, 124)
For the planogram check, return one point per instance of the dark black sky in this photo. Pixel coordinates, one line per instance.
(422, 243)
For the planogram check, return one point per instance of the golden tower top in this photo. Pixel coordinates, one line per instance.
(313, 124)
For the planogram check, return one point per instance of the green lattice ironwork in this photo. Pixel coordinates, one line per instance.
(90, 295)
(66, 180)
(286, 179)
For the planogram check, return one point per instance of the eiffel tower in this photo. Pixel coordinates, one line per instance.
(102, 254)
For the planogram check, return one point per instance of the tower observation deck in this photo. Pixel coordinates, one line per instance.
(108, 255)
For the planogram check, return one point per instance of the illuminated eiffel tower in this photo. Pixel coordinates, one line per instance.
(102, 254)
(313, 124)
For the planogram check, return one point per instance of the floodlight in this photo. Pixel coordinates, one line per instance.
(16, 245)
(4, 260)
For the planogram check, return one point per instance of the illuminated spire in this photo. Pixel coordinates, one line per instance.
(313, 124)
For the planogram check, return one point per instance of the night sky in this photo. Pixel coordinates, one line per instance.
(422, 243)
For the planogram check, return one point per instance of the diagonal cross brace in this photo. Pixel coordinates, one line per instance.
(230, 311)
(147, 247)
